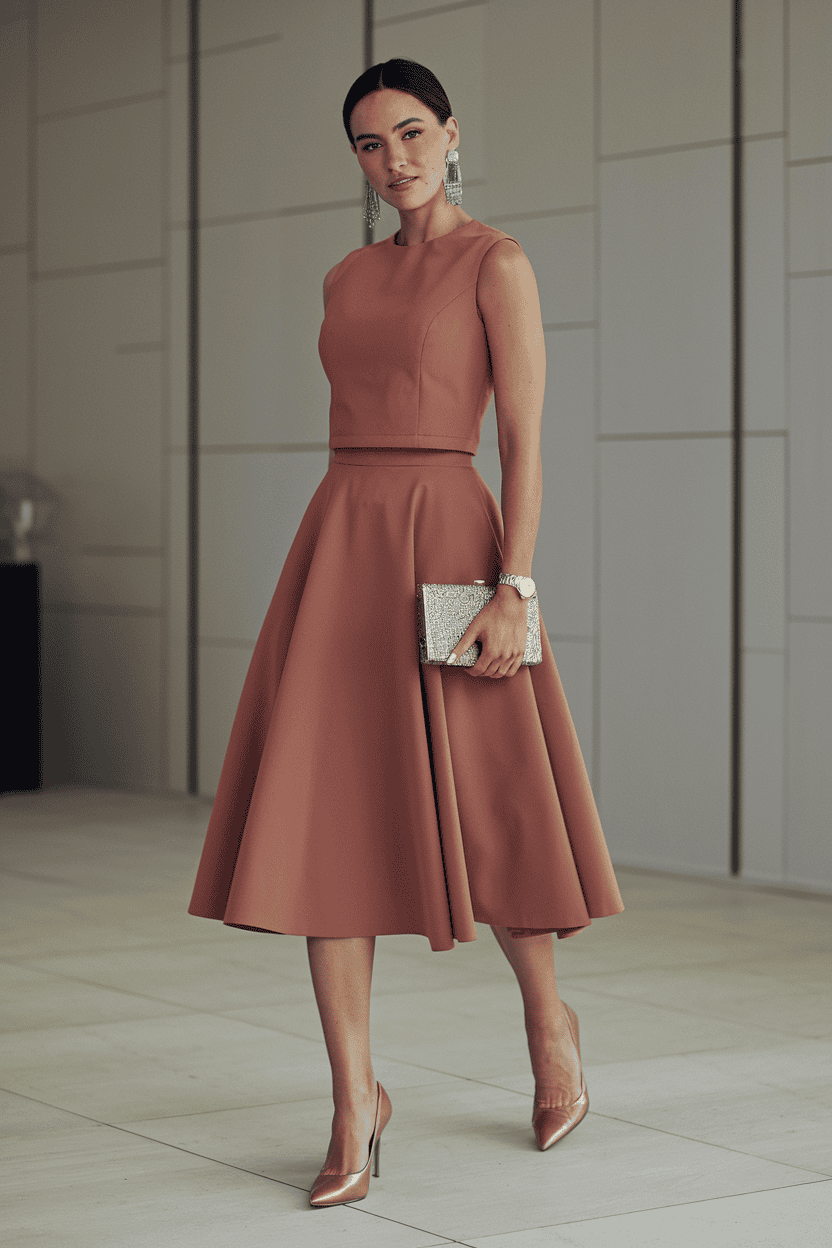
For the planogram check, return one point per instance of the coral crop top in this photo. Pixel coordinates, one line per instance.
(403, 345)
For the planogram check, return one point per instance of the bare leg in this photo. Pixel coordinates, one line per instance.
(554, 1059)
(342, 970)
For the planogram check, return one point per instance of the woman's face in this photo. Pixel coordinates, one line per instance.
(389, 151)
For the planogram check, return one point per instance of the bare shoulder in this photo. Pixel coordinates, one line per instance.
(506, 279)
(329, 279)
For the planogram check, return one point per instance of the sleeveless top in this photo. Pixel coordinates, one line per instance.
(403, 345)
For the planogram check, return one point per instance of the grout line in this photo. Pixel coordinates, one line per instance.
(787, 388)
(665, 151)
(99, 106)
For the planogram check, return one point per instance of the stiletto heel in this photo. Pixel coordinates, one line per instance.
(342, 1189)
(553, 1123)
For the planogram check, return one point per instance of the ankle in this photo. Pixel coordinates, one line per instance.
(355, 1097)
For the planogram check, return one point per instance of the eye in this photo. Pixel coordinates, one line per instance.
(367, 146)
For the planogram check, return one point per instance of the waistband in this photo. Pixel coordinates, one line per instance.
(375, 456)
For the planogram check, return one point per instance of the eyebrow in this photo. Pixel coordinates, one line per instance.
(397, 126)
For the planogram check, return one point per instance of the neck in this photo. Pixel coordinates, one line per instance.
(412, 231)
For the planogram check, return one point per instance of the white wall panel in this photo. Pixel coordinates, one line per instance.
(666, 293)
(574, 663)
(14, 134)
(102, 683)
(810, 80)
(261, 314)
(99, 179)
(178, 154)
(99, 433)
(809, 786)
(810, 445)
(764, 527)
(561, 250)
(762, 67)
(564, 552)
(104, 580)
(540, 105)
(260, 151)
(762, 767)
(177, 623)
(250, 509)
(178, 27)
(810, 218)
(222, 671)
(665, 73)
(665, 647)
(764, 294)
(177, 359)
(97, 50)
(14, 359)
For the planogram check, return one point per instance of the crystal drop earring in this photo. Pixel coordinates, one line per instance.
(371, 210)
(453, 178)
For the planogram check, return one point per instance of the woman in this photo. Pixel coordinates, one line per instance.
(363, 793)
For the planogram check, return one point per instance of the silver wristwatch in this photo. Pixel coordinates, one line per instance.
(523, 584)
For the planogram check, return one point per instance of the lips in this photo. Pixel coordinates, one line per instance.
(403, 182)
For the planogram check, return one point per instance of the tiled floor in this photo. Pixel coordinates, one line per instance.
(165, 1081)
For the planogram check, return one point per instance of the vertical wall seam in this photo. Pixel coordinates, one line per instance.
(787, 365)
(737, 448)
(193, 396)
(164, 440)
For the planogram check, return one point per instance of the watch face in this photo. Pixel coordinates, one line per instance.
(526, 586)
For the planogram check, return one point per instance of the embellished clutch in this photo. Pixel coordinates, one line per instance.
(444, 613)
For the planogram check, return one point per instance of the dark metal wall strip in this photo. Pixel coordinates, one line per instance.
(737, 447)
(193, 396)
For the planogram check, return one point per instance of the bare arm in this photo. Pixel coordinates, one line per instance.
(327, 287)
(510, 308)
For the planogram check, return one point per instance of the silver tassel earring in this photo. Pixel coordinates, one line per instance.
(453, 178)
(371, 212)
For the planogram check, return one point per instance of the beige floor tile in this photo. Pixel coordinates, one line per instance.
(36, 999)
(783, 1218)
(105, 1187)
(743, 993)
(461, 1160)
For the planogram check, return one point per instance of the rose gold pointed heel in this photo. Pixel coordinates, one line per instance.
(342, 1189)
(552, 1124)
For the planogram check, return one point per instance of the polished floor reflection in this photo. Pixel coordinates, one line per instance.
(164, 1079)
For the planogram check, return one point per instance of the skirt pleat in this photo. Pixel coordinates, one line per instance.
(363, 793)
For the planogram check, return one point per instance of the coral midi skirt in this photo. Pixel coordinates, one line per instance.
(363, 793)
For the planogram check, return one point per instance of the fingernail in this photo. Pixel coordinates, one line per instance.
(451, 658)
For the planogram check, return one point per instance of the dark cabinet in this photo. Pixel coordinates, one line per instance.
(21, 764)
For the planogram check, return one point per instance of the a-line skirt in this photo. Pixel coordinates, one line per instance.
(364, 793)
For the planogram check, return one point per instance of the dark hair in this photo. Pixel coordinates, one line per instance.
(398, 75)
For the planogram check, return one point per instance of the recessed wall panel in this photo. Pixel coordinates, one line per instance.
(222, 671)
(547, 78)
(100, 579)
(563, 560)
(665, 73)
(762, 767)
(809, 788)
(810, 82)
(178, 344)
(14, 134)
(14, 359)
(250, 509)
(810, 443)
(764, 295)
(764, 528)
(102, 684)
(261, 312)
(95, 51)
(177, 623)
(665, 653)
(666, 293)
(99, 432)
(561, 250)
(573, 660)
(178, 207)
(259, 151)
(810, 218)
(762, 67)
(99, 187)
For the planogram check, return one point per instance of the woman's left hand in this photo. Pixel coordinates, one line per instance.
(502, 628)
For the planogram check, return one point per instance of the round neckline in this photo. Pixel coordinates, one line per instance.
(438, 239)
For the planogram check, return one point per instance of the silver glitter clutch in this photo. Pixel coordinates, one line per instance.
(444, 613)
